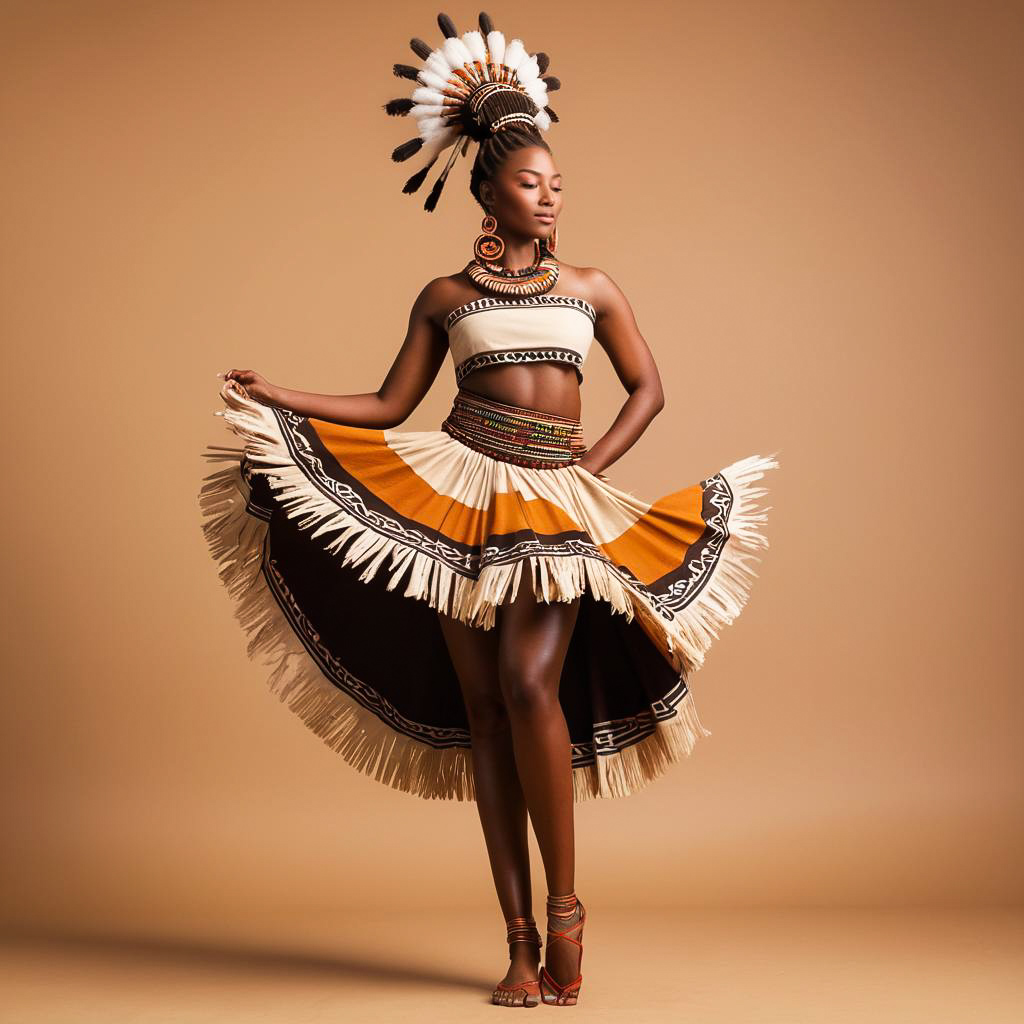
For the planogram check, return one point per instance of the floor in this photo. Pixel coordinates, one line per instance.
(712, 967)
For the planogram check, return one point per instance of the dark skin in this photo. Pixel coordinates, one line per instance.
(509, 675)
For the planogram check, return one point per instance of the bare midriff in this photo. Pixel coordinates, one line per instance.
(549, 387)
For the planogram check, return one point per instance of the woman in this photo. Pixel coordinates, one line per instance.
(540, 649)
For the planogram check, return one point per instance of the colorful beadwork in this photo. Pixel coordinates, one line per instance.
(511, 433)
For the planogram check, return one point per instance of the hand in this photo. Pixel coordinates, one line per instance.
(255, 385)
(590, 469)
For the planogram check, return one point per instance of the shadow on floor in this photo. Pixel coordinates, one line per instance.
(154, 951)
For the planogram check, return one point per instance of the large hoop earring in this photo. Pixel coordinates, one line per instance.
(488, 246)
(542, 246)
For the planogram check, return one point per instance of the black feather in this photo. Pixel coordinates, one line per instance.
(406, 71)
(418, 178)
(543, 60)
(551, 114)
(486, 25)
(435, 193)
(420, 48)
(406, 150)
(398, 108)
(447, 26)
(551, 82)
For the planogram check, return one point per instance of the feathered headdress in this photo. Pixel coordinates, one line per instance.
(459, 96)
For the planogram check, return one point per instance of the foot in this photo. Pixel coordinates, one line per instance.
(563, 957)
(524, 961)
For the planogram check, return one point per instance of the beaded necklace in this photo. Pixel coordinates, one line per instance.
(535, 279)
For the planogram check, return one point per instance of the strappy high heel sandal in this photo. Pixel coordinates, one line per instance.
(550, 991)
(520, 929)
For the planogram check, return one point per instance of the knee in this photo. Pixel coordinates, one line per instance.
(526, 691)
(487, 716)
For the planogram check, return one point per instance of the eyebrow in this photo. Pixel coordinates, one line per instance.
(530, 170)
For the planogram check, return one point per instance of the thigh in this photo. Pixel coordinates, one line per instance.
(533, 638)
(474, 654)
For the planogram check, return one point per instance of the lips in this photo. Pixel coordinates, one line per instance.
(548, 218)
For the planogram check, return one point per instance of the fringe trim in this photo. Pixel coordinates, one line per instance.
(235, 539)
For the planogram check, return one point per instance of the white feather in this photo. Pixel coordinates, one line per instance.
(435, 82)
(437, 63)
(422, 95)
(430, 125)
(456, 52)
(475, 44)
(426, 110)
(542, 120)
(537, 91)
(515, 54)
(435, 141)
(529, 70)
(496, 44)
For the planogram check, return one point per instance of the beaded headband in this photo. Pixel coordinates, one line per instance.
(455, 81)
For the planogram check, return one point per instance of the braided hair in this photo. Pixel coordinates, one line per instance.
(495, 149)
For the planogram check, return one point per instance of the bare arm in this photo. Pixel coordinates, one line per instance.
(415, 368)
(617, 333)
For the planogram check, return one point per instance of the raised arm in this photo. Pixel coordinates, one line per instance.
(411, 374)
(617, 333)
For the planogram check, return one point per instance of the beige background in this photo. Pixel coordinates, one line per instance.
(815, 211)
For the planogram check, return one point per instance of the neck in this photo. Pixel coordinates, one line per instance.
(518, 254)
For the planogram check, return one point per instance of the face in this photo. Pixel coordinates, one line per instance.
(526, 193)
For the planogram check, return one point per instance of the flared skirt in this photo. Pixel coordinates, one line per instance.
(339, 545)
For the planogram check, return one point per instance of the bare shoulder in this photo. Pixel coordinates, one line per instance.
(594, 285)
(441, 295)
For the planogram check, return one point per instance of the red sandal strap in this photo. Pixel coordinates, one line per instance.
(531, 987)
(564, 906)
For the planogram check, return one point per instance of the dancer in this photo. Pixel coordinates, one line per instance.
(477, 612)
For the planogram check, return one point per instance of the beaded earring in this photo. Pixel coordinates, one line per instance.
(546, 246)
(488, 245)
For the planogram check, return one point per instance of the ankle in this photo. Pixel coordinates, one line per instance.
(563, 906)
(521, 934)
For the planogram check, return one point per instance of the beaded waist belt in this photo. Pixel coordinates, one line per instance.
(514, 433)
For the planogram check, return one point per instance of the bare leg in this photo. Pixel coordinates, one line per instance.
(533, 638)
(499, 795)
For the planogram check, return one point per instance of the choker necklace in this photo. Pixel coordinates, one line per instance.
(532, 280)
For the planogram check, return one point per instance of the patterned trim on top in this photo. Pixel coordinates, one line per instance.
(508, 302)
(520, 355)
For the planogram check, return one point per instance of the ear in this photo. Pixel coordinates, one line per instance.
(487, 195)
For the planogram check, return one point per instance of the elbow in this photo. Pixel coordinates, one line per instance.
(389, 415)
(649, 395)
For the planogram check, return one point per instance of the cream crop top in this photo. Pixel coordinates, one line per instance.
(520, 329)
